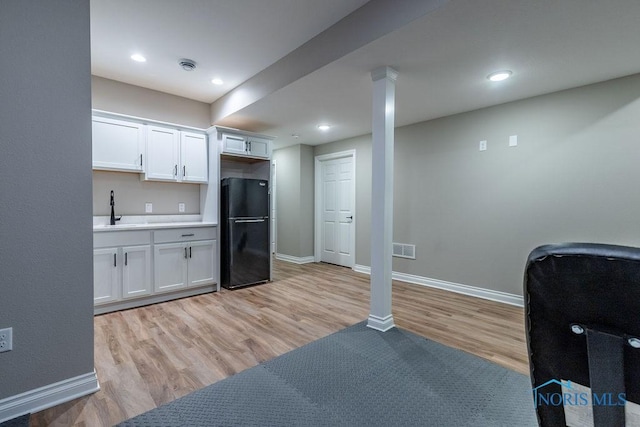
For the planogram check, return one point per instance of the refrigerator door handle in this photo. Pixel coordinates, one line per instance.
(248, 220)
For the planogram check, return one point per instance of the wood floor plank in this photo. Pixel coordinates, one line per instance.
(151, 355)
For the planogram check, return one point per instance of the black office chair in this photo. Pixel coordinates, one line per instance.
(582, 314)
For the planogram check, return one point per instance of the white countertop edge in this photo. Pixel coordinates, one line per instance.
(150, 222)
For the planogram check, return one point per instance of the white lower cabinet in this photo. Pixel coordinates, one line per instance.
(121, 272)
(136, 271)
(105, 275)
(133, 268)
(170, 266)
(201, 270)
(184, 264)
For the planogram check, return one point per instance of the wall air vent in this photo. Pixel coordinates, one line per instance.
(403, 250)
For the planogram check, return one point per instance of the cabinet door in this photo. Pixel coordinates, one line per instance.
(202, 263)
(162, 154)
(193, 154)
(117, 144)
(170, 266)
(136, 271)
(259, 147)
(234, 144)
(105, 275)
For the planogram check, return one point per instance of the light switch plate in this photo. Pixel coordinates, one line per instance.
(181, 207)
(513, 140)
(483, 145)
(148, 207)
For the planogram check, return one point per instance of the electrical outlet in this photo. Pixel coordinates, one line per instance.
(483, 145)
(148, 207)
(181, 207)
(6, 339)
(513, 140)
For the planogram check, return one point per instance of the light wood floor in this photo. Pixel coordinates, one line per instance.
(148, 356)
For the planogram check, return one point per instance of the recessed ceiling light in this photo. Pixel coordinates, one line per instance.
(324, 127)
(498, 76)
(217, 81)
(138, 58)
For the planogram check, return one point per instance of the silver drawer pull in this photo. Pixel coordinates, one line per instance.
(249, 220)
(188, 235)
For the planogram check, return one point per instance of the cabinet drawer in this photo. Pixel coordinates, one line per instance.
(185, 234)
(121, 238)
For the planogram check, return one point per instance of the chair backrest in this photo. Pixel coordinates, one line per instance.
(582, 311)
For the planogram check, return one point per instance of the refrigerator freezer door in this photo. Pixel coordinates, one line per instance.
(248, 249)
(245, 197)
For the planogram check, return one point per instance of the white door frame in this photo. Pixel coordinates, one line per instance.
(319, 199)
(273, 244)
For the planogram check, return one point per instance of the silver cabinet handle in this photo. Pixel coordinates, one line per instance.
(125, 258)
(249, 220)
(188, 235)
(189, 251)
(140, 159)
(175, 170)
(114, 260)
(184, 170)
(185, 252)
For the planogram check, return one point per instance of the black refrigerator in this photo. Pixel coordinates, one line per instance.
(245, 258)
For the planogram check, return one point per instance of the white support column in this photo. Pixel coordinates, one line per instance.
(384, 87)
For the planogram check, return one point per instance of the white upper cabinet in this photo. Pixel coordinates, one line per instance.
(177, 156)
(245, 145)
(259, 147)
(193, 155)
(162, 153)
(117, 144)
(234, 144)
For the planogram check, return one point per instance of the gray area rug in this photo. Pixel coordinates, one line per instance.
(359, 377)
(22, 421)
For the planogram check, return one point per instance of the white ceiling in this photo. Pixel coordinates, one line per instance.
(443, 58)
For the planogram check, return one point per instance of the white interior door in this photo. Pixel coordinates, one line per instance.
(337, 228)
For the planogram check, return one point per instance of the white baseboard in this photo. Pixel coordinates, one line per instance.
(365, 269)
(50, 395)
(295, 259)
(459, 288)
(382, 324)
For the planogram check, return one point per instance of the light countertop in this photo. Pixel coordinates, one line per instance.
(150, 222)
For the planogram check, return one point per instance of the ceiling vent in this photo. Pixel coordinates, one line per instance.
(187, 64)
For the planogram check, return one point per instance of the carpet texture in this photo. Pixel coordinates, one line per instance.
(359, 377)
(22, 421)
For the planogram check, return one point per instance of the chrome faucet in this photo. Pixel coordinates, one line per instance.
(113, 213)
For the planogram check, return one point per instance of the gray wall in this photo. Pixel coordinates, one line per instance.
(307, 194)
(46, 231)
(118, 97)
(287, 162)
(131, 193)
(294, 200)
(474, 216)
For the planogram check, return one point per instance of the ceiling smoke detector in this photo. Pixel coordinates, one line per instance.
(187, 64)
